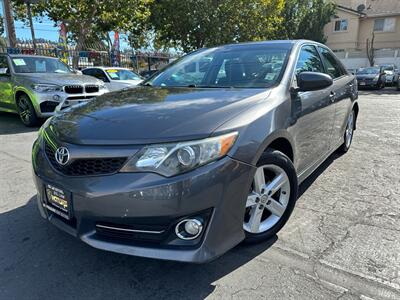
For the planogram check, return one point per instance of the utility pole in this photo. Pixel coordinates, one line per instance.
(9, 24)
(29, 11)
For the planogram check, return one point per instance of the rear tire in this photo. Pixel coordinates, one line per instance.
(272, 197)
(26, 111)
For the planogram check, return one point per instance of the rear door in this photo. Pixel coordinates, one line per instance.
(6, 92)
(315, 113)
(343, 90)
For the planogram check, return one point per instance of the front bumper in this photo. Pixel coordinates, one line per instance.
(217, 192)
(46, 104)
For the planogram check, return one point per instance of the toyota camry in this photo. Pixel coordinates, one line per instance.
(201, 156)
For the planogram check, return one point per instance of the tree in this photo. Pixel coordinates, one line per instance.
(305, 19)
(371, 50)
(193, 24)
(90, 19)
(1, 26)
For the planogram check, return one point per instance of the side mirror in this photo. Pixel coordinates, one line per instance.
(313, 81)
(4, 72)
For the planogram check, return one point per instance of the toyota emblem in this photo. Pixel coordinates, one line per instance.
(62, 156)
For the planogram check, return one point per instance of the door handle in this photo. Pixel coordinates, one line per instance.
(332, 96)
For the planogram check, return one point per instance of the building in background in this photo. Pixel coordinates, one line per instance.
(357, 21)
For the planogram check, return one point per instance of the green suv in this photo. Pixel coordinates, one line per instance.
(37, 86)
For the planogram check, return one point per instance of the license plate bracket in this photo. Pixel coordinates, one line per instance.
(58, 201)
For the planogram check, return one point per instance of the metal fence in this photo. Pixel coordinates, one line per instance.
(138, 61)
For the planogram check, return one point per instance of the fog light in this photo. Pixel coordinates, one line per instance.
(56, 98)
(189, 229)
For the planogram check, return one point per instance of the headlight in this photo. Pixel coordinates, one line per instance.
(102, 87)
(172, 159)
(376, 78)
(46, 88)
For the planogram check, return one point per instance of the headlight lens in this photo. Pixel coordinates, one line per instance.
(102, 87)
(376, 78)
(46, 88)
(172, 159)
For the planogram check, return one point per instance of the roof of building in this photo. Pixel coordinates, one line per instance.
(373, 8)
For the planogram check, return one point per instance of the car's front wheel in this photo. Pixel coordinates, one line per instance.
(26, 111)
(271, 198)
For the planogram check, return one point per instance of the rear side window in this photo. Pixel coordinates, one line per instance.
(99, 74)
(309, 60)
(333, 67)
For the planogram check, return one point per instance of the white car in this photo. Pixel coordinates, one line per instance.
(114, 78)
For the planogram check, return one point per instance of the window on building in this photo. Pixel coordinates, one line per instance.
(385, 24)
(341, 25)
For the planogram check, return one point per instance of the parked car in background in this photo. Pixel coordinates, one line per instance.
(33, 86)
(398, 84)
(391, 72)
(373, 77)
(148, 73)
(114, 78)
(186, 166)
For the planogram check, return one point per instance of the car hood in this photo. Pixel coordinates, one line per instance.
(58, 78)
(366, 76)
(152, 115)
(128, 82)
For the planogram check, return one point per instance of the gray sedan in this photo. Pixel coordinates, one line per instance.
(205, 154)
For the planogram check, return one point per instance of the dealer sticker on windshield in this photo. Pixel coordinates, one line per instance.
(19, 62)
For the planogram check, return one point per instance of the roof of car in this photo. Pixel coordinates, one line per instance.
(107, 68)
(28, 55)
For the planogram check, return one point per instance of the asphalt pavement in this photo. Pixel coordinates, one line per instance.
(342, 241)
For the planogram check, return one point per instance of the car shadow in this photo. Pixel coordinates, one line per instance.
(11, 124)
(38, 261)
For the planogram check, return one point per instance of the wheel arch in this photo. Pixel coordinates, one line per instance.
(279, 140)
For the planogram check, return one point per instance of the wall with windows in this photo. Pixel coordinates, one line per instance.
(342, 31)
(386, 30)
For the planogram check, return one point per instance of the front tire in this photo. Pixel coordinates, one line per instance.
(271, 198)
(26, 111)
(348, 133)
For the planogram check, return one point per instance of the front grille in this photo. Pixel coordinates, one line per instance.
(91, 89)
(86, 166)
(73, 89)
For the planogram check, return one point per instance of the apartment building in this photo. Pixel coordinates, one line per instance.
(357, 21)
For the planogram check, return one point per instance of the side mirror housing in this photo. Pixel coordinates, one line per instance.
(313, 81)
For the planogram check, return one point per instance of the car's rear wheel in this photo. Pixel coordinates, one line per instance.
(348, 133)
(26, 111)
(271, 198)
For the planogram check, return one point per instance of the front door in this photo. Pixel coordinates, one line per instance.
(315, 114)
(6, 92)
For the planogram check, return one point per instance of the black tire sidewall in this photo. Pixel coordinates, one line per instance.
(33, 121)
(274, 157)
(344, 148)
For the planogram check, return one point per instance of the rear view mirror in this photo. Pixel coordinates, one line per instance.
(312, 81)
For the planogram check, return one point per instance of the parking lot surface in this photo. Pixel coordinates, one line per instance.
(342, 241)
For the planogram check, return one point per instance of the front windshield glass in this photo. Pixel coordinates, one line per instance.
(29, 64)
(239, 67)
(120, 74)
(368, 71)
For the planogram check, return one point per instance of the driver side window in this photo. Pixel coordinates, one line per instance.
(4, 68)
(309, 60)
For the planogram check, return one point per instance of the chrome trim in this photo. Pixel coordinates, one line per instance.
(130, 230)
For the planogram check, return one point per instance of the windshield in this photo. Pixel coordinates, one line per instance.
(120, 74)
(240, 67)
(28, 64)
(388, 68)
(368, 71)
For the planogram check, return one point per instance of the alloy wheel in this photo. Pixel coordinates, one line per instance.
(267, 200)
(349, 129)
(24, 110)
